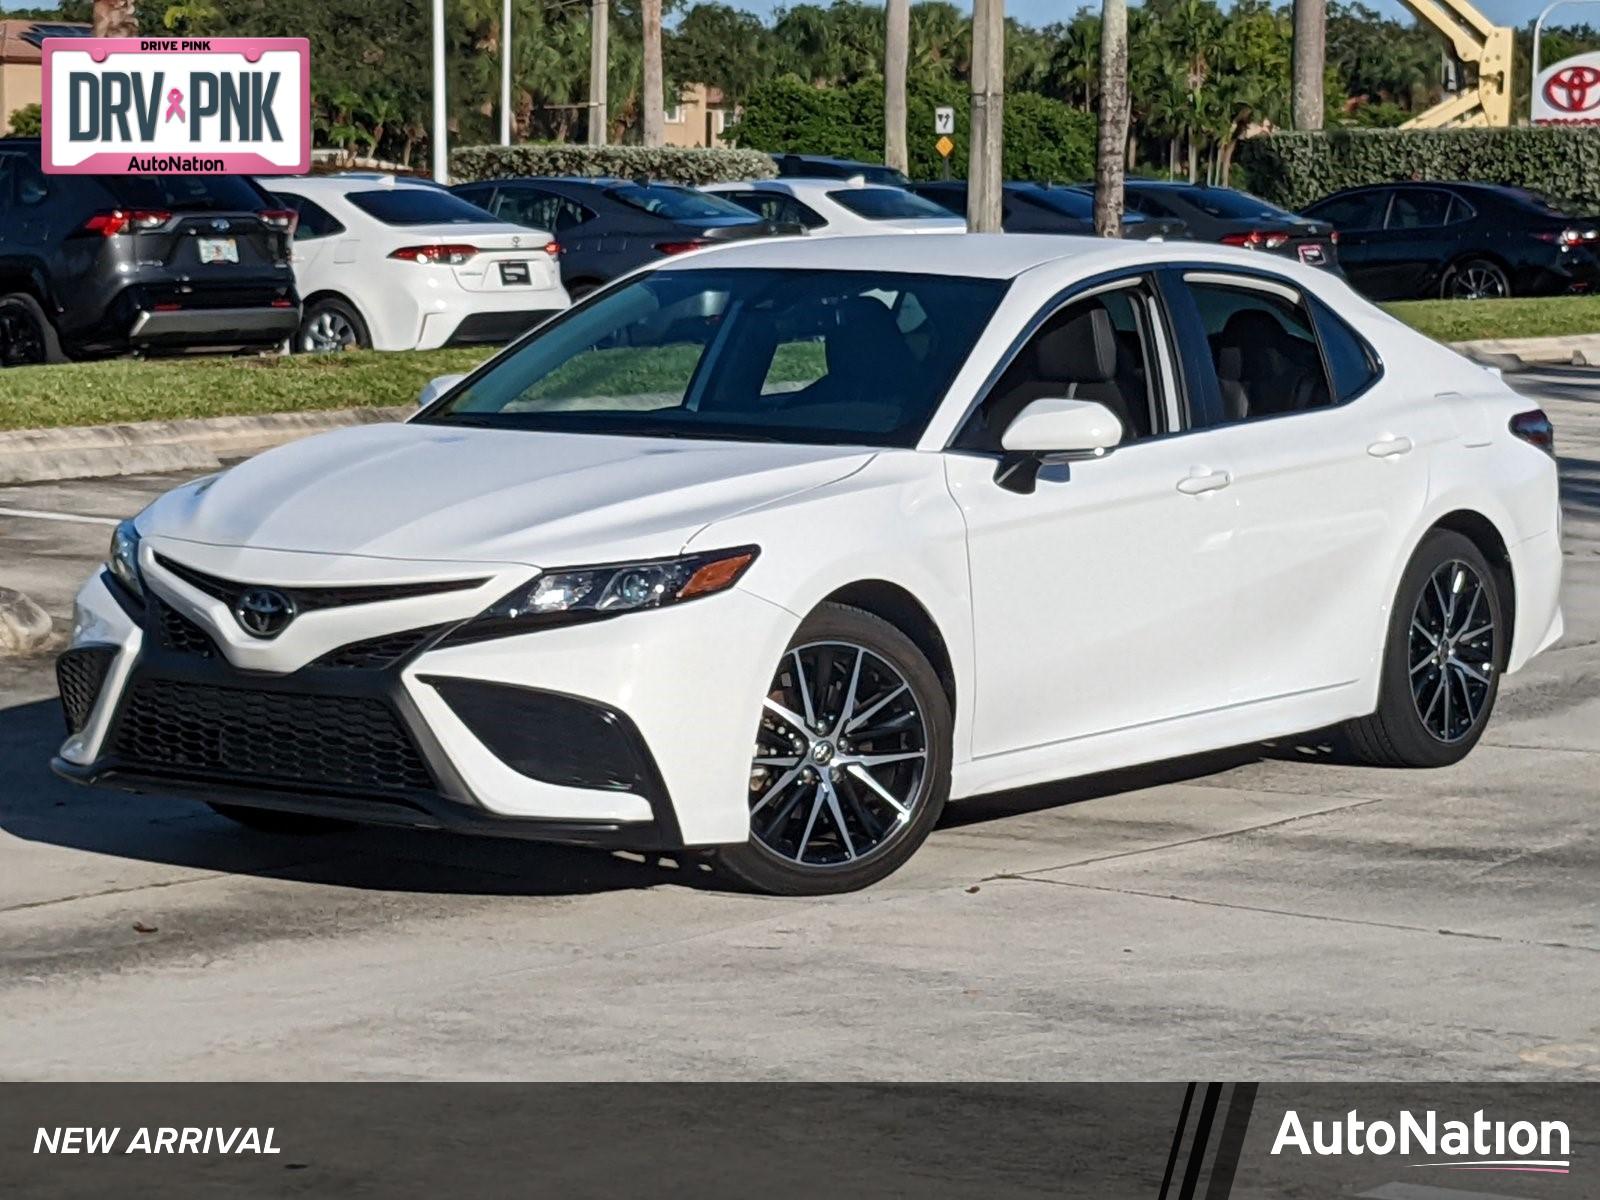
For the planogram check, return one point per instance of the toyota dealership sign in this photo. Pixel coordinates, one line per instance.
(1568, 92)
(191, 106)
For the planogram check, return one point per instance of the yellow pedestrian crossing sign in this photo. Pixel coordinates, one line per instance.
(944, 145)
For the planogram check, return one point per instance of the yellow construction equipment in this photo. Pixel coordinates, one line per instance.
(1485, 49)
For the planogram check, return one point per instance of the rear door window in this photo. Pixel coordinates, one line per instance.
(1419, 209)
(1361, 210)
(539, 209)
(315, 221)
(1262, 345)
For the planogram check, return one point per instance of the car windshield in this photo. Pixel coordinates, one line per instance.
(886, 204)
(184, 193)
(412, 205)
(825, 357)
(1229, 204)
(678, 203)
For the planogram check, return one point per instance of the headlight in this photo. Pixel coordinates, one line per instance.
(589, 593)
(123, 558)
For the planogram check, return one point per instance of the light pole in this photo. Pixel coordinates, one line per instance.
(505, 75)
(441, 150)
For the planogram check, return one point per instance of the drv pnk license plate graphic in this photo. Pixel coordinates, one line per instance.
(189, 106)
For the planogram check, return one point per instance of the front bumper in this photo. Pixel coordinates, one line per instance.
(630, 733)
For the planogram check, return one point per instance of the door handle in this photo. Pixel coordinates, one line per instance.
(1205, 481)
(1390, 447)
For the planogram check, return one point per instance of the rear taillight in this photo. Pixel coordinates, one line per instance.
(1333, 236)
(553, 249)
(280, 218)
(1534, 428)
(452, 255)
(126, 220)
(1571, 236)
(679, 247)
(1256, 239)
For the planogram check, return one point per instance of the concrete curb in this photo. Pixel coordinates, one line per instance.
(1513, 354)
(24, 627)
(198, 445)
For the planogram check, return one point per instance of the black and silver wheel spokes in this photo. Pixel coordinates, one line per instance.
(841, 756)
(21, 343)
(1479, 282)
(327, 332)
(1452, 651)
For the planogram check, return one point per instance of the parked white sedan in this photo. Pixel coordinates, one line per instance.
(832, 207)
(389, 263)
(770, 549)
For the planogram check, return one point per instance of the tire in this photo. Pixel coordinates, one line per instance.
(1475, 279)
(271, 820)
(1432, 709)
(816, 826)
(330, 326)
(27, 337)
(583, 287)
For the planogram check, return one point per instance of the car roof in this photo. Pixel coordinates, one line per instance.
(803, 185)
(974, 255)
(343, 183)
(594, 181)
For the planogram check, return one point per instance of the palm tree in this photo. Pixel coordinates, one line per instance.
(653, 100)
(1111, 157)
(896, 56)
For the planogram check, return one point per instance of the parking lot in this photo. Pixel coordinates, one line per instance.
(1268, 912)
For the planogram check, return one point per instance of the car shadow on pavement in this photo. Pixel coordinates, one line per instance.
(37, 807)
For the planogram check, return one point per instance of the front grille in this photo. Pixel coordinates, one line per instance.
(183, 635)
(80, 674)
(252, 736)
(307, 599)
(374, 654)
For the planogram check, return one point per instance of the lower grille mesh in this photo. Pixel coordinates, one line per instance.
(269, 737)
(80, 674)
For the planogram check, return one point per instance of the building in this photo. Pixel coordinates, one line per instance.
(21, 61)
(698, 118)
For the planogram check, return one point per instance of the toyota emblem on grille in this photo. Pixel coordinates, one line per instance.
(263, 612)
(220, 225)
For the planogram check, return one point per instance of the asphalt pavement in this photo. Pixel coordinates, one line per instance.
(1269, 912)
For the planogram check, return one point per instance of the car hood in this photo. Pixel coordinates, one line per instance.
(438, 492)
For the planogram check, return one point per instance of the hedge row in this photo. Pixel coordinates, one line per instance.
(1044, 139)
(1293, 169)
(676, 164)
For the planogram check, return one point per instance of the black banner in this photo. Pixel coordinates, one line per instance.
(1200, 1141)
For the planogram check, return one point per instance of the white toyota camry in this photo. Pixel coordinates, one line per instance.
(769, 551)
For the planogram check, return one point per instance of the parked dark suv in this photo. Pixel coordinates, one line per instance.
(102, 264)
(607, 227)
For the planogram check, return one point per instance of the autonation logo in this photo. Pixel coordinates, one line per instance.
(1476, 1145)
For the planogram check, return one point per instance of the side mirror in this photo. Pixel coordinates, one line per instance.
(1054, 430)
(437, 387)
(1054, 426)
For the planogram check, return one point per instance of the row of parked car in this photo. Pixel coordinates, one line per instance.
(103, 265)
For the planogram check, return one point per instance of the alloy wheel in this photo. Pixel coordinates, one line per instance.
(328, 331)
(841, 757)
(21, 340)
(1452, 646)
(1478, 281)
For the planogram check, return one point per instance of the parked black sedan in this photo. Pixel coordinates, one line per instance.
(1234, 218)
(1467, 241)
(607, 227)
(823, 166)
(1048, 208)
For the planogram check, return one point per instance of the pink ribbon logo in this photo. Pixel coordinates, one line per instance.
(175, 105)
